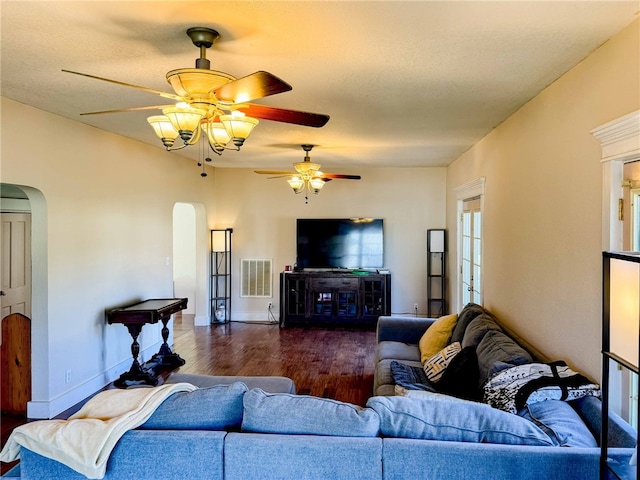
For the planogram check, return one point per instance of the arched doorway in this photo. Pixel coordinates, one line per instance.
(191, 254)
(35, 204)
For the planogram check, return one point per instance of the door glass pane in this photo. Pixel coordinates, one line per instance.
(477, 224)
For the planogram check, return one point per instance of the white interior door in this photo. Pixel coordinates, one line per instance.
(16, 264)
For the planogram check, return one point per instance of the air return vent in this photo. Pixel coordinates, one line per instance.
(255, 277)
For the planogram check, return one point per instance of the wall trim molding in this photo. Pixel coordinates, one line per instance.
(471, 189)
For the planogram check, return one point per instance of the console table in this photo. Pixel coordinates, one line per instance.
(134, 317)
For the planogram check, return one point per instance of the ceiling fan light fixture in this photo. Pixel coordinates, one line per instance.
(238, 126)
(164, 129)
(185, 120)
(214, 104)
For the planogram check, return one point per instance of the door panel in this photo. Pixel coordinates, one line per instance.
(15, 364)
(16, 264)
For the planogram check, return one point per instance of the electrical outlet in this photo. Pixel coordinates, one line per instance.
(67, 376)
(415, 307)
(269, 305)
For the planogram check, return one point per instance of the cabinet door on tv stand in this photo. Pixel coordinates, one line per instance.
(294, 291)
(376, 297)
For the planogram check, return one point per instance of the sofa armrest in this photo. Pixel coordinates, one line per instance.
(406, 329)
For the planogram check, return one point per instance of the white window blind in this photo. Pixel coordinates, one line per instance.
(255, 277)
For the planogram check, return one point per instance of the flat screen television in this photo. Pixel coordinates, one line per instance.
(340, 243)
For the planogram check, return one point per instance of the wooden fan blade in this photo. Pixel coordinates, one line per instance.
(283, 115)
(132, 109)
(273, 172)
(257, 85)
(117, 82)
(344, 177)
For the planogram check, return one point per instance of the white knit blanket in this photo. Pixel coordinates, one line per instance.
(85, 441)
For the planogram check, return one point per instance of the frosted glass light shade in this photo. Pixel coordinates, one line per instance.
(624, 309)
(316, 184)
(184, 120)
(164, 129)
(296, 183)
(436, 241)
(238, 127)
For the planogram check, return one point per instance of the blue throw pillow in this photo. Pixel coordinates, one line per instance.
(456, 421)
(306, 415)
(410, 377)
(561, 422)
(212, 408)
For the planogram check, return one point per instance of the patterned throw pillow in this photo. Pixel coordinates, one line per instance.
(435, 366)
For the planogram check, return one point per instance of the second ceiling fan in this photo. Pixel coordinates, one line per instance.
(307, 175)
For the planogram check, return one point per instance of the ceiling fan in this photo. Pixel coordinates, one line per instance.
(307, 175)
(214, 103)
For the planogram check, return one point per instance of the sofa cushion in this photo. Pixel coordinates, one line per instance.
(305, 415)
(398, 351)
(435, 366)
(212, 408)
(461, 377)
(466, 315)
(496, 351)
(437, 336)
(456, 421)
(410, 377)
(560, 422)
(477, 329)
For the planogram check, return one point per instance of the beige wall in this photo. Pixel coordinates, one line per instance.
(103, 235)
(542, 217)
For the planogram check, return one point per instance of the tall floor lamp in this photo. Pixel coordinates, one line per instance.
(620, 341)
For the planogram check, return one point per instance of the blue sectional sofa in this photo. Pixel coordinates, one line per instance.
(240, 431)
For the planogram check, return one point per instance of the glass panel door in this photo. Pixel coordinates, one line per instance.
(471, 254)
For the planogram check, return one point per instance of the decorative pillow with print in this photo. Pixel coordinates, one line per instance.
(435, 366)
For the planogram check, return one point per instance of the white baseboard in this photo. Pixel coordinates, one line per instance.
(48, 409)
(255, 317)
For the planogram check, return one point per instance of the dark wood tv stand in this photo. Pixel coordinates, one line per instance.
(337, 297)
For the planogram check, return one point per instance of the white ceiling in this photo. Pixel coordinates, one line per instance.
(405, 83)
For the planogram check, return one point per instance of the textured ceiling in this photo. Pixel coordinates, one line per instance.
(405, 83)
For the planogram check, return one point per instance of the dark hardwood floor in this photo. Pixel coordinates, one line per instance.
(330, 362)
(326, 362)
